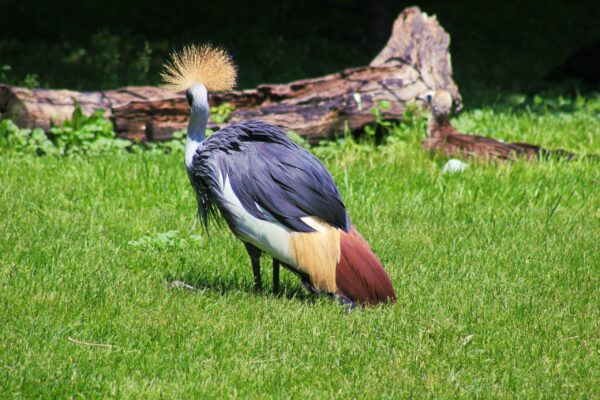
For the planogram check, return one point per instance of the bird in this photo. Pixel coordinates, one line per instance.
(275, 196)
(449, 140)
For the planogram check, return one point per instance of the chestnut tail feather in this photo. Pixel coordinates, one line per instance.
(359, 274)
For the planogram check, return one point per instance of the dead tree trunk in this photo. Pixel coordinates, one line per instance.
(414, 61)
(43, 108)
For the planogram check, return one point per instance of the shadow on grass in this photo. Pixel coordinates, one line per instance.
(222, 285)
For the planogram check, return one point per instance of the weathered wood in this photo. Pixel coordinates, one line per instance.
(133, 117)
(444, 138)
(414, 61)
(458, 144)
(30, 108)
(162, 131)
(419, 42)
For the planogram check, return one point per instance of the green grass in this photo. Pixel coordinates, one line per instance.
(497, 272)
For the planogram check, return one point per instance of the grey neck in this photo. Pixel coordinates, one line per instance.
(196, 132)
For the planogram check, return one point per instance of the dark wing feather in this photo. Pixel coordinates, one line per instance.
(274, 178)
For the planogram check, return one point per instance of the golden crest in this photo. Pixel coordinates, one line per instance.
(208, 65)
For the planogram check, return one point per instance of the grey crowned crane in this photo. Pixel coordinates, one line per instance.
(275, 196)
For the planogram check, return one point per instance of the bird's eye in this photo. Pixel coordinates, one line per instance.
(188, 96)
(428, 97)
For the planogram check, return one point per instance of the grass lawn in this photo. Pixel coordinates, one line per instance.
(497, 272)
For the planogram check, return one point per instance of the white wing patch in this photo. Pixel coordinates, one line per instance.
(269, 236)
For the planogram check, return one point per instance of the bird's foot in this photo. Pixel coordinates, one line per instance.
(347, 304)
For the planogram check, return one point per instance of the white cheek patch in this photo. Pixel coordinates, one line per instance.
(269, 236)
(190, 151)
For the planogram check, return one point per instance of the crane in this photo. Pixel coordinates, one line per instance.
(275, 196)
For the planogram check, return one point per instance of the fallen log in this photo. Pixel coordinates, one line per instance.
(459, 144)
(444, 138)
(414, 61)
(43, 108)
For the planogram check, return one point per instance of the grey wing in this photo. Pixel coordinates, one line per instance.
(275, 178)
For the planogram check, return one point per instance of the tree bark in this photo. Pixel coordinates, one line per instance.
(43, 108)
(414, 61)
(445, 139)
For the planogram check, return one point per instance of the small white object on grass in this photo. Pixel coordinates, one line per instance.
(180, 284)
(453, 165)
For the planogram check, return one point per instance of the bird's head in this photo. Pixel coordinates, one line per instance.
(198, 70)
(438, 102)
(197, 98)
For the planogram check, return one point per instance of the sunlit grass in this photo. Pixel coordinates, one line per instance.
(497, 272)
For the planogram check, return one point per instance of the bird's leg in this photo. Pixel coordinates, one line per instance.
(254, 253)
(304, 279)
(309, 286)
(275, 276)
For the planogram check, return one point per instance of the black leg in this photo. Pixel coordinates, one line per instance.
(304, 278)
(275, 276)
(254, 253)
(309, 286)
